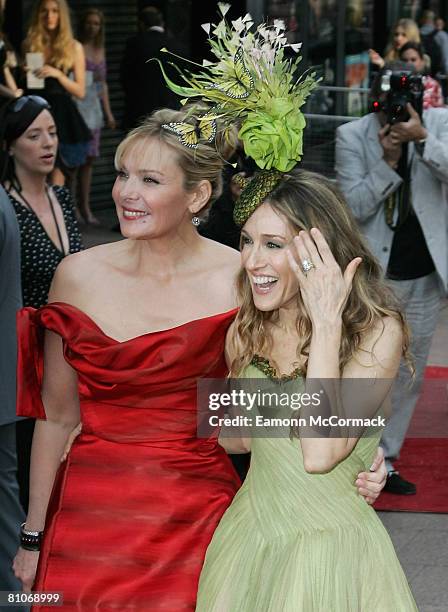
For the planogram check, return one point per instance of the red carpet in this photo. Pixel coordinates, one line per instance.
(424, 456)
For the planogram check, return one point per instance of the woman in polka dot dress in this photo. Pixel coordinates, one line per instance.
(45, 214)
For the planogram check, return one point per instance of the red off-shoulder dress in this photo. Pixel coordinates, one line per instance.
(140, 495)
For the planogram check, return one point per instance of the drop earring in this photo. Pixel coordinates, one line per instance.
(196, 221)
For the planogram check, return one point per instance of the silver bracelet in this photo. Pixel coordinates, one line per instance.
(30, 540)
(29, 533)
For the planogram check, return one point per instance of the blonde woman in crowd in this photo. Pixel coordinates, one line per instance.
(405, 30)
(50, 33)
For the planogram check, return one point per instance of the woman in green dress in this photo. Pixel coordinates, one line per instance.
(298, 537)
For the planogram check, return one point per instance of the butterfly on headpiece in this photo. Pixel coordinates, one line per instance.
(191, 135)
(239, 85)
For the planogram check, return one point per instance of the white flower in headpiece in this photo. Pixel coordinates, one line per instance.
(206, 27)
(235, 41)
(295, 47)
(281, 41)
(238, 25)
(262, 31)
(247, 42)
(255, 54)
(279, 25)
(220, 29)
(253, 81)
(268, 53)
(223, 8)
(272, 36)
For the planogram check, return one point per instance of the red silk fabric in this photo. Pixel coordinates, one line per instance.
(139, 497)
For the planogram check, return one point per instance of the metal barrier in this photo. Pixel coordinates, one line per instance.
(321, 123)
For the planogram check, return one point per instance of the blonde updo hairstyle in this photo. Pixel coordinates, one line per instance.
(305, 200)
(205, 162)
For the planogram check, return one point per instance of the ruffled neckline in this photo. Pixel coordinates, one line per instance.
(88, 318)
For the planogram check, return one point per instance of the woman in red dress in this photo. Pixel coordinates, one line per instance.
(129, 329)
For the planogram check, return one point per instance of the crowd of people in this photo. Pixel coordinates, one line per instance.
(118, 502)
(68, 79)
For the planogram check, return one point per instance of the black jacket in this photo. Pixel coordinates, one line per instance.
(142, 81)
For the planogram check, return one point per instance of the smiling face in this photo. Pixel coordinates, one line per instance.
(265, 239)
(35, 150)
(49, 15)
(149, 192)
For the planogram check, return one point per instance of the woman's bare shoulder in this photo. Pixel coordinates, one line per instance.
(221, 254)
(93, 256)
(387, 329)
(221, 265)
(379, 352)
(78, 47)
(78, 274)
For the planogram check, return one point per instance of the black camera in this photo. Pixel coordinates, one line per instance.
(401, 87)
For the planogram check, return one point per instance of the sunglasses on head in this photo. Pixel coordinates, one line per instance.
(20, 103)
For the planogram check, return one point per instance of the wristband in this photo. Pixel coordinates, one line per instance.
(30, 540)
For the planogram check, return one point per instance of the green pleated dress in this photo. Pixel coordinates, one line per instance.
(298, 542)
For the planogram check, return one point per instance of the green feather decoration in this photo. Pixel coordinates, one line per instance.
(253, 83)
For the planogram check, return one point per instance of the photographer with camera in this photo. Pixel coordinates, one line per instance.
(392, 167)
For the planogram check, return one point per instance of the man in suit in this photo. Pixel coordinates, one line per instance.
(142, 81)
(395, 180)
(11, 513)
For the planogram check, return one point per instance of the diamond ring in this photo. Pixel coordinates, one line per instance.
(307, 265)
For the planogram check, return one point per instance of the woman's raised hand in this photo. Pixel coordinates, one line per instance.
(323, 286)
(376, 58)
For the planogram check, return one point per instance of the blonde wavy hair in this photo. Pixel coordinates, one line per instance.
(58, 50)
(412, 34)
(307, 199)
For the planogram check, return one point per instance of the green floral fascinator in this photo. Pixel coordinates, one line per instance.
(254, 84)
